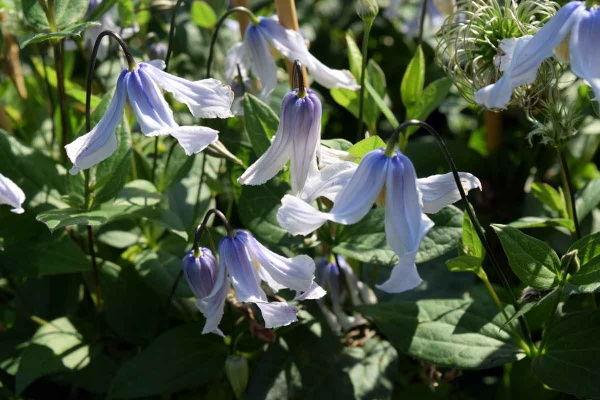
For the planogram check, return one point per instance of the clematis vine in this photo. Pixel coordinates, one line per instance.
(336, 276)
(255, 54)
(570, 34)
(383, 174)
(244, 263)
(141, 84)
(11, 194)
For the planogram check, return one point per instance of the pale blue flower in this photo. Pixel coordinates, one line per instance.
(406, 199)
(575, 19)
(297, 139)
(255, 54)
(11, 194)
(209, 285)
(248, 263)
(206, 98)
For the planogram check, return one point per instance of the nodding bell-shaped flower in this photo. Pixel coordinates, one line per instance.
(256, 55)
(575, 19)
(249, 263)
(206, 98)
(339, 280)
(298, 138)
(210, 289)
(11, 194)
(406, 199)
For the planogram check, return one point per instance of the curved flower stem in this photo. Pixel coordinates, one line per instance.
(422, 21)
(363, 69)
(569, 195)
(88, 96)
(202, 226)
(478, 227)
(213, 40)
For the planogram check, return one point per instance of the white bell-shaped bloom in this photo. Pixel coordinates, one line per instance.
(11, 194)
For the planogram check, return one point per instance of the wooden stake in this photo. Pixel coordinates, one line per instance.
(286, 11)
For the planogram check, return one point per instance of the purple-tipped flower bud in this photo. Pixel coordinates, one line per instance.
(236, 370)
(158, 51)
(200, 270)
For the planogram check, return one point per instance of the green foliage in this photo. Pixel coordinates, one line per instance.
(203, 15)
(413, 80)
(72, 30)
(588, 251)
(260, 123)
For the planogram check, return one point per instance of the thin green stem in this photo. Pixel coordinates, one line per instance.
(62, 98)
(200, 183)
(363, 69)
(422, 21)
(568, 192)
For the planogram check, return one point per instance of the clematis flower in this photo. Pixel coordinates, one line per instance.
(339, 280)
(255, 54)
(575, 19)
(405, 223)
(245, 263)
(11, 194)
(298, 138)
(201, 273)
(206, 98)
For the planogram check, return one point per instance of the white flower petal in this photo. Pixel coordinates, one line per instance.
(212, 308)
(11, 194)
(277, 314)
(298, 217)
(263, 66)
(439, 191)
(585, 55)
(292, 46)
(313, 292)
(271, 162)
(404, 275)
(328, 182)
(193, 139)
(206, 98)
(236, 58)
(329, 156)
(99, 143)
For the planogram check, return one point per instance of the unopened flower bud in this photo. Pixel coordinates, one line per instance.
(158, 51)
(367, 10)
(236, 370)
(569, 263)
(200, 270)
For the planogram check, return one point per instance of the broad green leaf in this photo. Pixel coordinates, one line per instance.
(539, 222)
(549, 196)
(56, 346)
(365, 241)
(73, 30)
(260, 123)
(35, 15)
(588, 251)
(451, 332)
(569, 360)
(413, 80)
(69, 12)
(429, 100)
(159, 270)
(389, 114)
(132, 309)
(140, 193)
(258, 207)
(546, 305)
(203, 15)
(588, 198)
(466, 264)
(180, 358)
(354, 55)
(366, 145)
(337, 144)
(471, 243)
(532, 260)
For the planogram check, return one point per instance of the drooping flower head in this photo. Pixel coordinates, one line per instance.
(255, 54)
(297, 139)
(245, 263)
(405, 221)
(141, 84)
(11, 194)
(575, 19)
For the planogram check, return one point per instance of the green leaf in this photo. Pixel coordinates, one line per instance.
(258, 207)
(451, 332)
(366, 145)
(159, 270)
(569, 360)
(140, 193)
(260, 123)
(35, 15)
(337, 144)
(389, 114)
(471, 243)
(539, 222)
(532, 260)
(203, 15)
(365, 241)
(69, 12)
(56, 346)
(466, 264)
(588, 251)
(73, 30)
(126, 13)
(354, 55)
(588, 198)
(180, 358)
(413, 81)
(429, 100)
(549, 196)
(546, 305)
